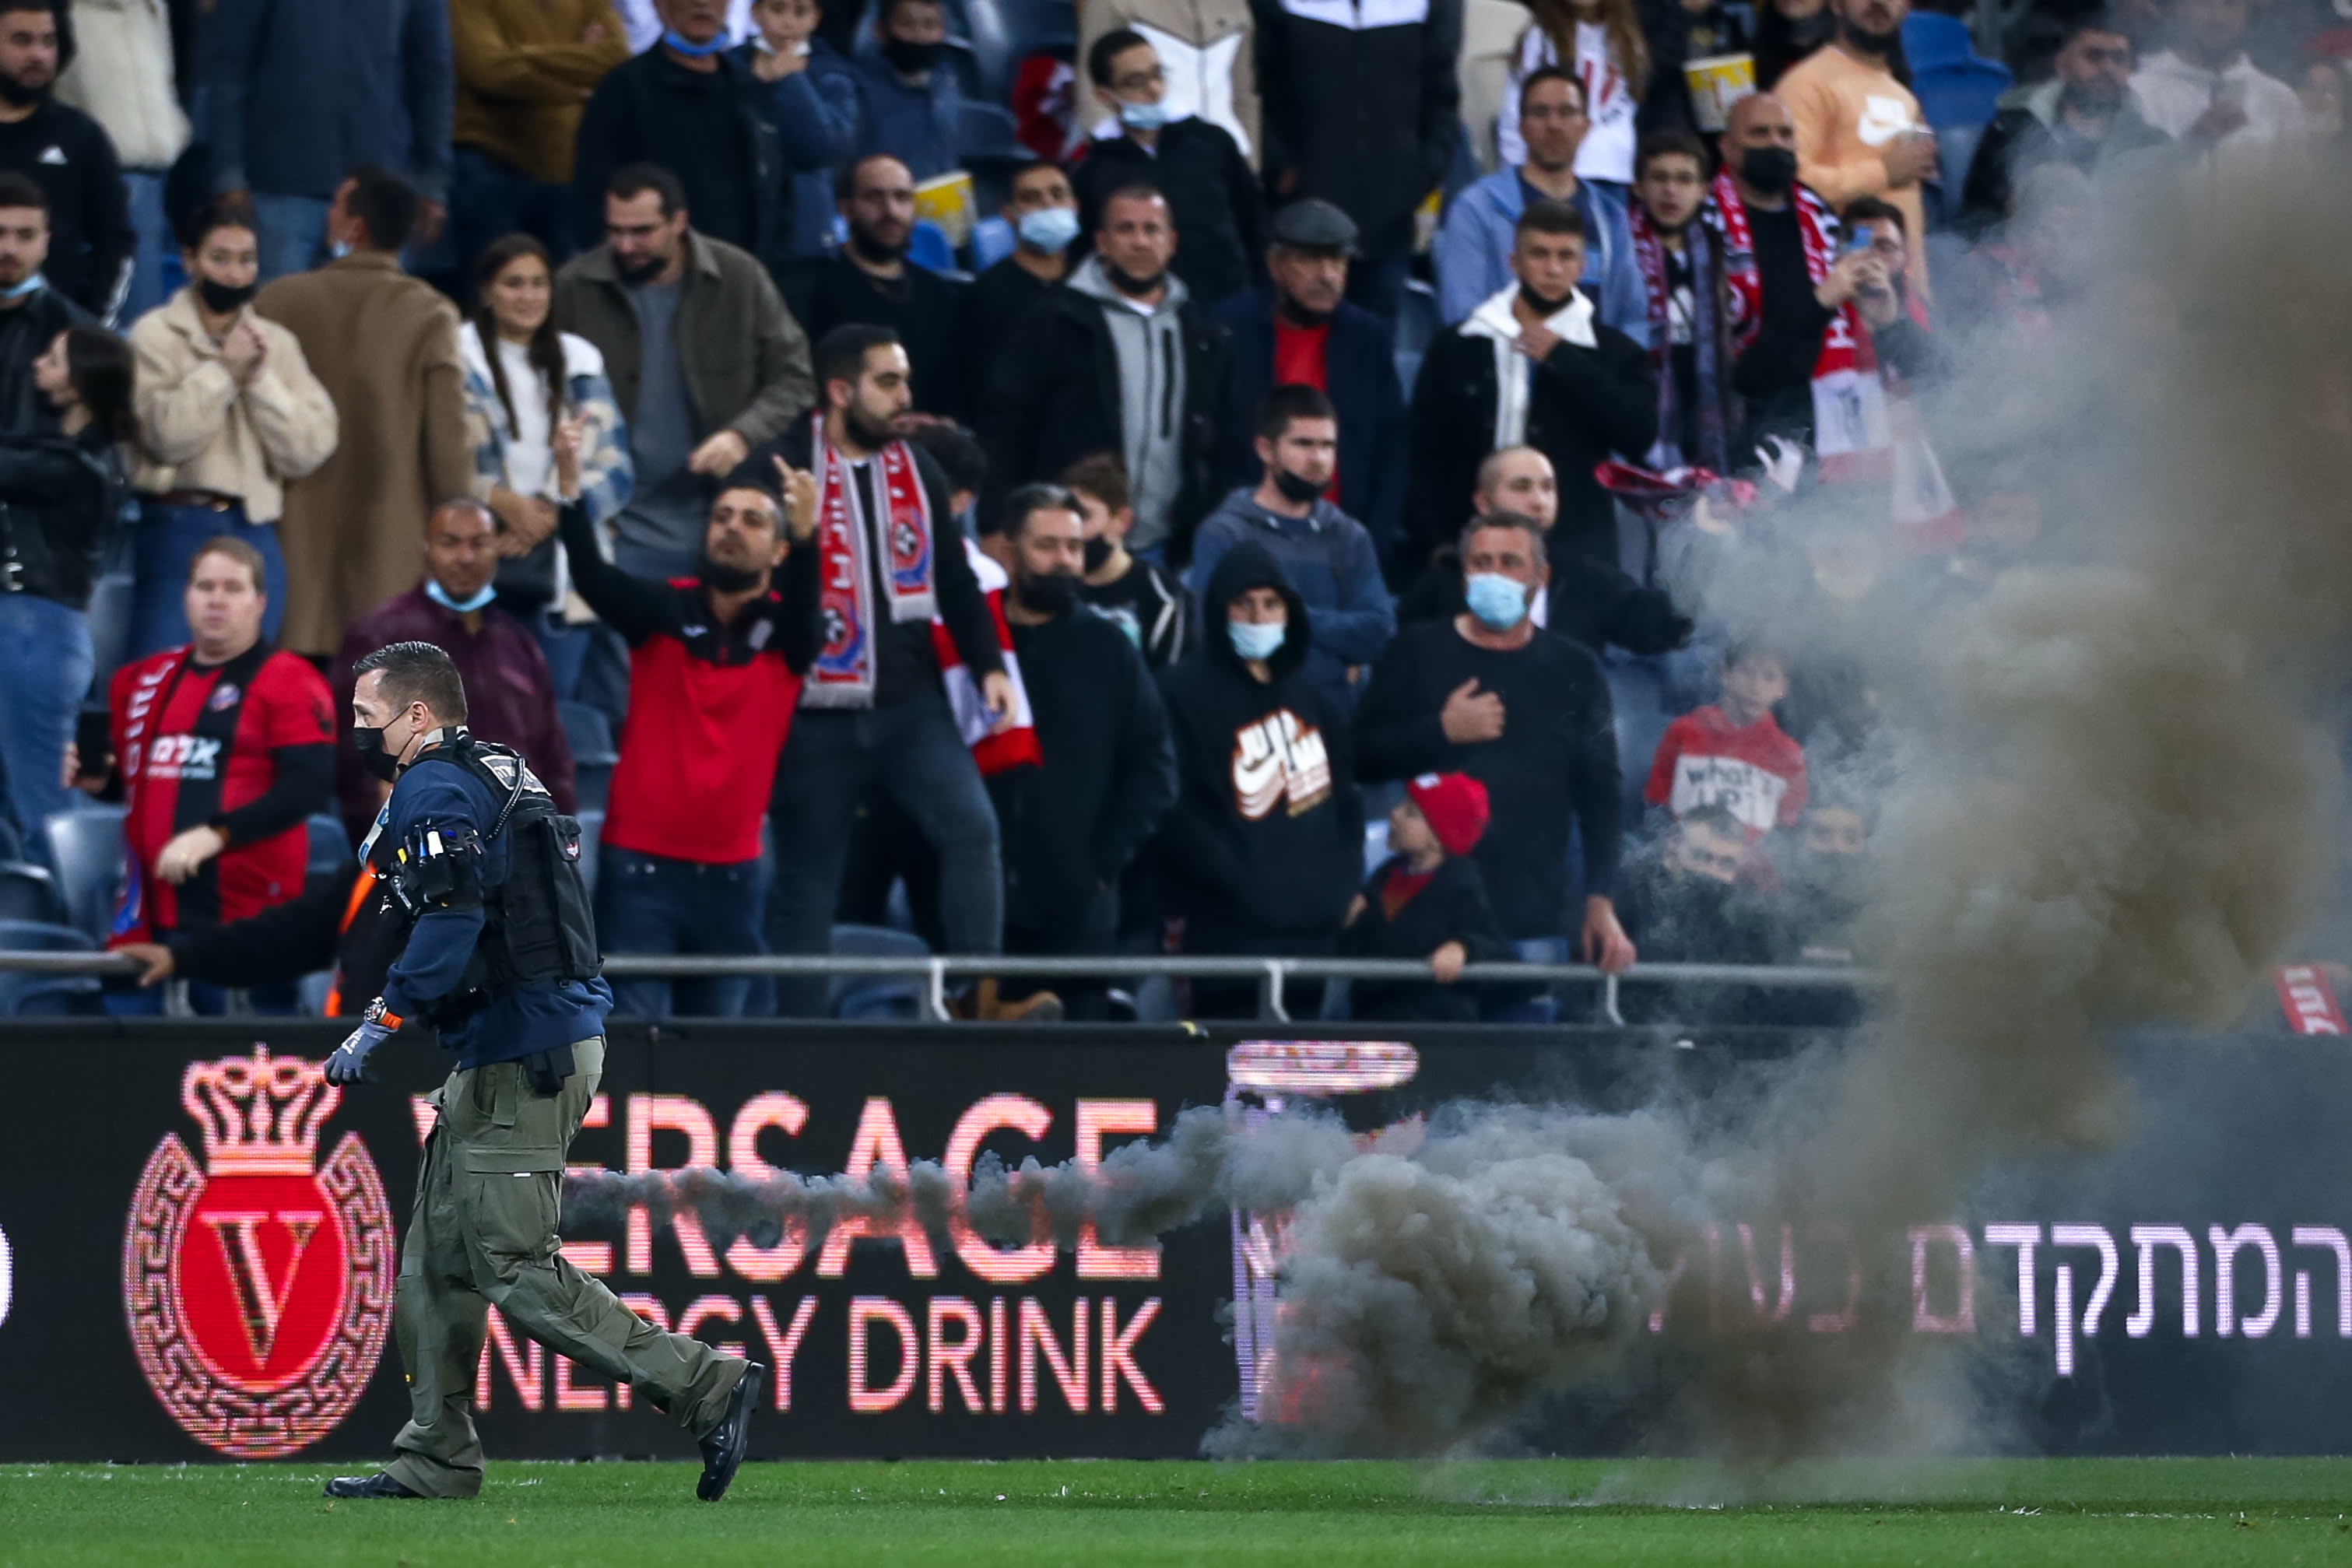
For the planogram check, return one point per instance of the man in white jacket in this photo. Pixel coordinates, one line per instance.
(2204, 90)
(121, 76)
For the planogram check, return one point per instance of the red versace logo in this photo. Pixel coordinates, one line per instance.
(258, 1288)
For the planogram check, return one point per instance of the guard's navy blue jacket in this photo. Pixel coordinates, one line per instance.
(1358, 375)
(534, 1017)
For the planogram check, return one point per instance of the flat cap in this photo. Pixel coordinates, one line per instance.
(1315, 224)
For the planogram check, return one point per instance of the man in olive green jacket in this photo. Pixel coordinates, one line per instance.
(705, 362)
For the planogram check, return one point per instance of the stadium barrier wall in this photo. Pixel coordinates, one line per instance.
(182, 1279)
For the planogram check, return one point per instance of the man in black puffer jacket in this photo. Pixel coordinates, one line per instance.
(1265, 842)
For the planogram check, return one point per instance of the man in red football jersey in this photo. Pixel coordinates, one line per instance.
(221, 749)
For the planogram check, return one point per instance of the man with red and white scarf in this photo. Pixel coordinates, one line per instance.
(1678, 250)
(877, 710)
(1801, 360)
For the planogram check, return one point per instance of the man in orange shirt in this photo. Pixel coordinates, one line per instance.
(1859, 131)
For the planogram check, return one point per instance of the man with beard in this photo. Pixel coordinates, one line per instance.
(1302, 331)
(68, 155)
(716, 660)
(1859, 131)
(869, 280)
(904, 620)
(1120, 359)
(1327, 554)
(1072, 826)
(1684, 903)
(2082, 116)
(32, 314)
(671, 309)
(1533, 366)
(1786, 291)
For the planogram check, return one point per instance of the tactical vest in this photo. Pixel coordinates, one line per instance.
(536, 925)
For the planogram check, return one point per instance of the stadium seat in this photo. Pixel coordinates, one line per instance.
(110, 627)
(593, 753)
(876, 996)
(588, 730)
(28, 891)
(330, 846)
(985, 130)
(929, 248)
(86, 848)
(592, 833)
(1637, 694)
(1417, 322)
(993, 240)
(26, 995)
(1035, 25)
(313, 989)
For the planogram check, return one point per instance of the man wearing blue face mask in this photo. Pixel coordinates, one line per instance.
(1213, 195)
(1527, 713)
(512, 694)
(1044, 213)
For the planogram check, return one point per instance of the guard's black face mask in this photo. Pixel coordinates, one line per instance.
(369, 743)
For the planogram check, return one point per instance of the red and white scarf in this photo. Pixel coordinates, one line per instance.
(1014, 746)
(842, 676)
(1852, 433)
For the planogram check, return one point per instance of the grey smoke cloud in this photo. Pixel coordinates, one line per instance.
(2105, 791)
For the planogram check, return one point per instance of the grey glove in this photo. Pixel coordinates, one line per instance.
(348, 1064)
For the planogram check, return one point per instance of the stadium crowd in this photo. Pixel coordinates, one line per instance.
(1044, 481)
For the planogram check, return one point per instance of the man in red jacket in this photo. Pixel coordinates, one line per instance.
(715, 668)
(222, 748)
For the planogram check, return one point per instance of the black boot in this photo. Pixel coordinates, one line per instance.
(723, 1450)
(380, 1484)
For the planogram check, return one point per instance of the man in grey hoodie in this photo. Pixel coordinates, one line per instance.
(1120, 359)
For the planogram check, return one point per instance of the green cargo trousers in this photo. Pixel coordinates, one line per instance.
(484, 1236)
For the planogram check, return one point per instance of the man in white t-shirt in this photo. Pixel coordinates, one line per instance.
(2205, 92)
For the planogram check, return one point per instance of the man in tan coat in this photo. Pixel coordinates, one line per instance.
(385, 347)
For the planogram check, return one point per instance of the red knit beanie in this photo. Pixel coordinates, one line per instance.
(1455, 807)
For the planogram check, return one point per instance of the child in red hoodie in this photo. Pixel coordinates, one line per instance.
(1733, 754)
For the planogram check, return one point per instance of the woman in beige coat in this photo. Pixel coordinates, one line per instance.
(229, 411)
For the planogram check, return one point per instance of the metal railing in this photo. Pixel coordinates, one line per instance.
(1273, 975)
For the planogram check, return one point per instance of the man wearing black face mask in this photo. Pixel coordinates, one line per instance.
(1070, 828)
(909, 104)
(1327, 555)
(229, 411)
(870, 280)
(1786, 291)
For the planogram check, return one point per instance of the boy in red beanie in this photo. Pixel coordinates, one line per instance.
(1426, 900)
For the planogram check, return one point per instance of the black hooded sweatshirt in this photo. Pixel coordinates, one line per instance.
(1267, 834)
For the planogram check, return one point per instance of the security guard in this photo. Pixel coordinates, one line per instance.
(487, 929)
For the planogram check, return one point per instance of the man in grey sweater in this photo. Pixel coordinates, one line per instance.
(1120, 359)
(669, 310)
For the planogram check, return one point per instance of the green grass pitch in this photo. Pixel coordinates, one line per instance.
(1041, 1514)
